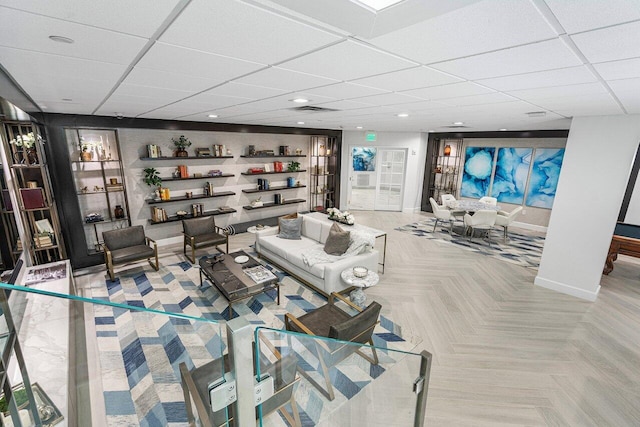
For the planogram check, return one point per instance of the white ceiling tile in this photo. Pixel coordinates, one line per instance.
(488, 98)
(161, 79)
(412, 78)
(610, 44)
(560, 77)
(190, 62)
(346, 91)
(388, 99)
(449, 91)
(240, 30)
(66, 107)
(559, 91)
(344, 105)
(593, 101)
(148, 93)
(124, 107)
(245, 91)
(481, 27)
(579, 15)
(347, 61)
(616, 70)
(90, 43)
(142, 17)
(518, 60)
(590, 110)
(278, 78)
(628, 92)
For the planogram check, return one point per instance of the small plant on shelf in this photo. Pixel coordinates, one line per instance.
(152, 179)
(293, 166)
(181, 144)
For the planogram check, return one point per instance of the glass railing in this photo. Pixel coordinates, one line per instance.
(77, 361)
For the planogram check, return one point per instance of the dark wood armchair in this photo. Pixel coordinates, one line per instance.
(202, 232)
(332, 322)
(126, 245)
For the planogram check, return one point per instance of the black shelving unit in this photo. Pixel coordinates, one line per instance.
(176, 218)
(277, 188)
(271, 173)
(273, 204)
(224, 175)
(184, 198)
(323, 164)
(291, 156)
(186, 157)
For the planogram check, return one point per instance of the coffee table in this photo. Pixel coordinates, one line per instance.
(227, 276)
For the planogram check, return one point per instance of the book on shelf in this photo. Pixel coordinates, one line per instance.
(42, 240)
(115, 187)
(260, 274)
(18, 245)
(203, 152)
(153, 151)
(32, 198)
(158, 214)
(44, 226)
(184, 172)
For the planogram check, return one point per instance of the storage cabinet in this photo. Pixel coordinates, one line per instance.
(99, 183)
(323, 166)
(32, 185)
(445, 168)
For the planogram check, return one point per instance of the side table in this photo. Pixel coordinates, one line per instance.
(253, 229)
(358, 296)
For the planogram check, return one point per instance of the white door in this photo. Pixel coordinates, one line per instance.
(390, 182)
(361, 189)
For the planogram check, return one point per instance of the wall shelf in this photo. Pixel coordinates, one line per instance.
(273, 204)
(224, 175)
(274, 156)
(284, 187)
(185, 198)
(272, 173)
(186, 157)
(175, 218)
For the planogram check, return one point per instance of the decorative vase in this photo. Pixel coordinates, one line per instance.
(181, 153)
(32, 156)
(86, 156)
(118, 212)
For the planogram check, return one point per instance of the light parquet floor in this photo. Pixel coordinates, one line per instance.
(507, 352)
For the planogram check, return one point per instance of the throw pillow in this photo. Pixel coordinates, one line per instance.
(337, 241)
(290, 216)
(290, 228)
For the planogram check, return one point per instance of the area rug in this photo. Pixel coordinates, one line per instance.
(521, 249)
(140, 352)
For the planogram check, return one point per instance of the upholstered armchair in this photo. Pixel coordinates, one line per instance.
(449, 199)
(489, 200)
(331, 321)
(202, 232)
(482, 220)
(504, 219)
(126, 245)
(441, 214)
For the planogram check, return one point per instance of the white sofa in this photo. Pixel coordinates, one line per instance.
(287, 254)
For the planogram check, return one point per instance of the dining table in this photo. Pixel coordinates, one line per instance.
(470, 206)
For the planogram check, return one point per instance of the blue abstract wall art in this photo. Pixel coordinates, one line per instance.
(364, 159)
(512, 171)
(478, 165)
(544, 177)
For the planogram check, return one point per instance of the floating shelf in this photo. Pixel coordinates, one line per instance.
(273, 204)
(224, 175)
(272, 173)
(94, 161)
(273, 189)
(187, 157)
(88, 193)
(175, 218)
(185, 198)
(105, 221)
(275, 155)
(322, 174)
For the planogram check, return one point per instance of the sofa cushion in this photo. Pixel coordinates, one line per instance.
(290, 216)
(290, 228)
(311, 228)
(295, 258)
(338, 240)
(282, 247)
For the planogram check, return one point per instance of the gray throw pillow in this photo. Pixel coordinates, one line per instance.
(290, 228)
(337, 241)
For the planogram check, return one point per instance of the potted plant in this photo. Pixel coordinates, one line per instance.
(152, 179)
(26, 145)
(181, 144)
(293, 166)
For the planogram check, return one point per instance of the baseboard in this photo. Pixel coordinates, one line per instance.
(531, 227)
(566, 289)
(411, 210)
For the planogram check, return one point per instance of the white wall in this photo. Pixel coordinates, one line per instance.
(416, 145)
(597, 163)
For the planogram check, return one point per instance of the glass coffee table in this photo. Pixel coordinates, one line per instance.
(232, 282)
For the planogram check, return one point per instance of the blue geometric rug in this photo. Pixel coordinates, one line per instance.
(140, 352)
(521, 249)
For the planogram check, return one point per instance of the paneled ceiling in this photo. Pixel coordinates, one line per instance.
(487, 64)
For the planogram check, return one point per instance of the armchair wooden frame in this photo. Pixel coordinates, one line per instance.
(322, 346)
(108, 258)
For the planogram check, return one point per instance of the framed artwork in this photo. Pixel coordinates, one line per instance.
(545, 172)
(476, 177)
(512, 171)
(364, 159)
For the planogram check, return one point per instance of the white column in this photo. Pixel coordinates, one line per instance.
(597, 162)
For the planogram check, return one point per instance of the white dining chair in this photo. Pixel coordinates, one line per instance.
(504, 219)
(489, 200)
(482, 220)
(448, 200)
(441, 214)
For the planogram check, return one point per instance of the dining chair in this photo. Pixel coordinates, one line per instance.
(482, 220)
(448, 200)
(441, 214)
(489, 200)
(504, 219)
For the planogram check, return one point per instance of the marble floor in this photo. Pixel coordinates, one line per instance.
(506, 352)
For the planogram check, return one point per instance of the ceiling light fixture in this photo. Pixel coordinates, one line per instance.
(502, 130)
(378, 5)
(300, 123)
(300, 100)
(61, 39)
(402, 115)
(537, 113)
(458, 123)
(213, 116)
(358, 127)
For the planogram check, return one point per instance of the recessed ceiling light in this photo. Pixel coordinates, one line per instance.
(402, 115)
(378, 5)
(431, 130)
(67, 99)
(213, 116)
(300, 123)
(502, 130)
(61, 39)
(358, 127)
(458, 123)
(300, 100)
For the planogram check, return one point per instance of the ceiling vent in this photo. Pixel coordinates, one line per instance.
(313, 109)
(537, 113)
(456, 127)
